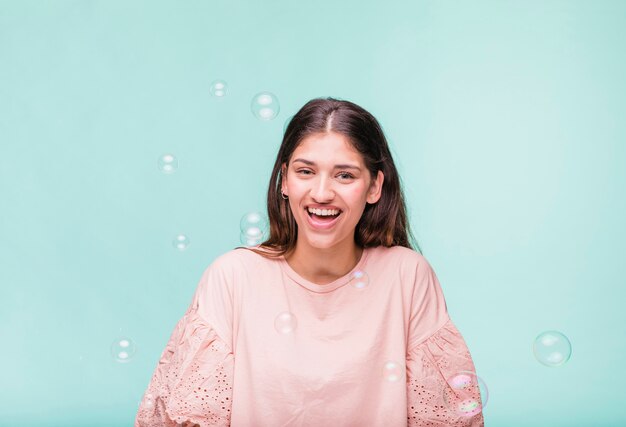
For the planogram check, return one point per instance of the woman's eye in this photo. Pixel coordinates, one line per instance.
(344, 175)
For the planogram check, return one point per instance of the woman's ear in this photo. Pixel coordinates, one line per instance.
(376, 188)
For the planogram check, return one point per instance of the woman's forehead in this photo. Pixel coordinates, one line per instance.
(327, 148)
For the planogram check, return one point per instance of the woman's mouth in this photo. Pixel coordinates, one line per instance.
(322, 222)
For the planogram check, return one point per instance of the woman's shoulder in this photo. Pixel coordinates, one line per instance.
(400, 254)
(242, 255)
(231, 266)
(401, 258)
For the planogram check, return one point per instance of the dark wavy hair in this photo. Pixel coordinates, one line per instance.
(382, 223)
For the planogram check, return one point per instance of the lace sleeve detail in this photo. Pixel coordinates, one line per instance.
(192, 383)
(429, 365)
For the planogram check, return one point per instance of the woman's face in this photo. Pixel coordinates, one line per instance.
(326, 172)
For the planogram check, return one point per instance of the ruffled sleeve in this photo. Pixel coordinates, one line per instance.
(436, 354)
(192, 383)
(429, 366)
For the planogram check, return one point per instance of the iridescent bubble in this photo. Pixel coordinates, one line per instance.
(552, 348)
(253, 227)
(359, 279)
(393, 371)
(148, 401)
(168, 163)
(218, 88)
(465, 393)
(181, 242)
(253, 237)
(265, 106)
(285, 322)
(123, 349)
(254, 220)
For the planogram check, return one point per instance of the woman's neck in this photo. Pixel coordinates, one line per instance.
(323, 266)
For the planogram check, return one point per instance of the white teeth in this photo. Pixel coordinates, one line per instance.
(324, 212)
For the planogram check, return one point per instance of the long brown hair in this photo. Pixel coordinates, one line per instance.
(383, 223)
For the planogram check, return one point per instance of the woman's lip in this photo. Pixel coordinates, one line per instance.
(321, 226)
(325, 207)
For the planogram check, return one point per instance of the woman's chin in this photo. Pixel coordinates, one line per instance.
(322, 242)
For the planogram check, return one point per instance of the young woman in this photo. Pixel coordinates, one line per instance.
(335, 319)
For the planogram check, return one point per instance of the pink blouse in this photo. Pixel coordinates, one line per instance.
(262, 346)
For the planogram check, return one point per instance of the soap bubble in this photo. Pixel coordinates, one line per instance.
(168, 163)
(285, 322)
(148, 402)
(253, 228)
(265, 106)
(552, 348)
(465, 393)
(253, 220)
(251, 238)
(393, 371)
(359, 279)
(181, 242)
(218, 88)
(123, 349)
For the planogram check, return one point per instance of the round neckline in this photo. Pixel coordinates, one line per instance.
(340, 281)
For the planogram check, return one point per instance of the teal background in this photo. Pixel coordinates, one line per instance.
(505, 118)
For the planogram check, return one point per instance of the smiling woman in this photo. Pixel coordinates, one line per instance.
(335, 319)
(322, 187)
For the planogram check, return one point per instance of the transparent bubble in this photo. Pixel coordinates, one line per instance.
(253, 220)
(168, 163)
(359, 279)
(393, 371)
(148, 402)
(285, 322)
(265, 106)
(219, 88)
(253, 233)
(123, 349)
(552, 348)
(253, 227)
(249, 239)
(181, 242)
(465, 393)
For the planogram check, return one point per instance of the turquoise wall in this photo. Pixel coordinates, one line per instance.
(506, 120)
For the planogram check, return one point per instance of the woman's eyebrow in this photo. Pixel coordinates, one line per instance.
(344, 166)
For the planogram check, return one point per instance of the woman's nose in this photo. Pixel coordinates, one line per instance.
(322, 190)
